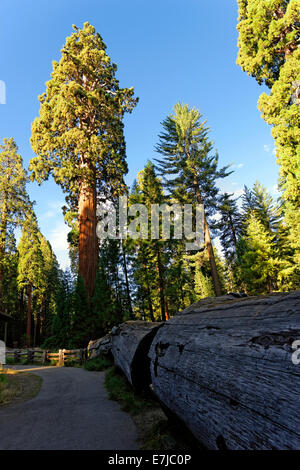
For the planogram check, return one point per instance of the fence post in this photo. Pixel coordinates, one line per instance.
(44, 357)
(82, 356)
(16, 355)
(60, 358)
(30, 355)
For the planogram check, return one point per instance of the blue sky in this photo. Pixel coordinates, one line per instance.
(169, 51)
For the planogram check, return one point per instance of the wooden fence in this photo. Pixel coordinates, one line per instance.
(62, 357)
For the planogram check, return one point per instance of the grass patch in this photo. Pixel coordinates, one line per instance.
(10, 361)
(98, 363)
(24, 362)
(18, 387)
(120, 390)
(156, 431)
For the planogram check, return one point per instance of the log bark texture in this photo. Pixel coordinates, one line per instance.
(224, 367)
(130, 347)
(99, 347)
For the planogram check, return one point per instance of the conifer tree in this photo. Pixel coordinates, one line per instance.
(152, 253)
(48, 291)
(14, 201)
(106, 313)
(31, 267)
(180, 280)
(10, 294)
(258, 203)
(265, 208)
(78, 137)
(82, 320)
(190, 169)
(203, 284)
(60, 328)
(229, 226)
(257, 258)
(269, 39)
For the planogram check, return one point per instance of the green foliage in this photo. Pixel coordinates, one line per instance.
(82, 321)
(265, 208)
(257, 260)
(31, 262)
(10, 360)
(60, 327)
(189, 167)
(268, 33)
(229, 226)
(14, 201)
(188, 163)
(203, 284)
(38, 271)
(3, 379)
(120, 390)
(105, 304)
(264, 256)
(99, 363)
(79, 133)
(150, 255)
(14, 205)
(269, 50)
(156, 431)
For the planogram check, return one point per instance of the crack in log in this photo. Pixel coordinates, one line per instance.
(279, 339)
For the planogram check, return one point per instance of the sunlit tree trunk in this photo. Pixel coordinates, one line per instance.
(88, 244)
(208, 245)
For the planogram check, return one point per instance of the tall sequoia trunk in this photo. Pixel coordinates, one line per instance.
(88, 244)
(29, 302)
(208, 245)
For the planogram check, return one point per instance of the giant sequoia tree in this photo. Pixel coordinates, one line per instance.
(78, 137)
(269, 39)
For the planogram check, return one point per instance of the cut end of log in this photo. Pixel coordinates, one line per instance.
(131, 342)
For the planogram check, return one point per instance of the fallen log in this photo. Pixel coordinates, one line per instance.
(130, 343)
(99, 347)
(224, 367)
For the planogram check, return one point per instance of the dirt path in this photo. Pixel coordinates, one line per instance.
(72, 411)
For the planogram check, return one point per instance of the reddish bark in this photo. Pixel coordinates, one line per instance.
(88, 244)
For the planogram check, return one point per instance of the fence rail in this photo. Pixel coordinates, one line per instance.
(38, 355)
